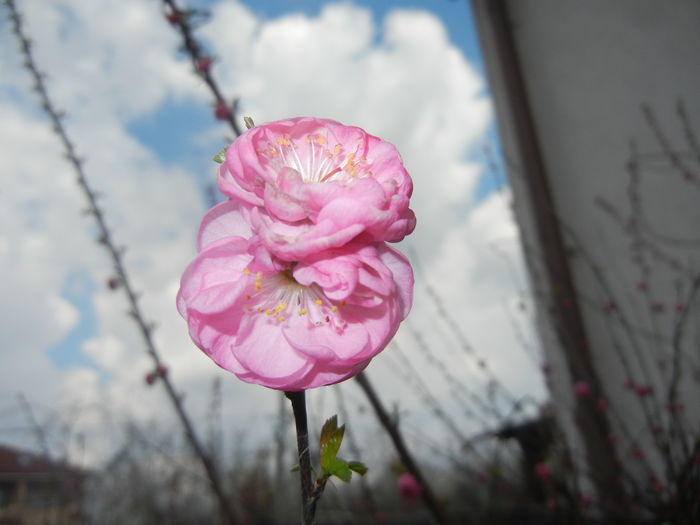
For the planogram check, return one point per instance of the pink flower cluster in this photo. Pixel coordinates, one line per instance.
(294, 286)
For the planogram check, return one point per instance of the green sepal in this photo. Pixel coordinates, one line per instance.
(220, 157)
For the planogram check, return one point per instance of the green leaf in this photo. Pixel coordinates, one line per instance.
(295, 468)
(331, 438)
(220, 157)
(357, 466)
(340, 469)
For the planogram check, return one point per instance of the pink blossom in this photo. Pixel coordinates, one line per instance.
(222, 112)
(543, 471)
(314, 184)
(610, 306)
(643, 390)
(290, 326)
(409, 487)
(658, 306)
(203, 64)
(150, 378)
(113, 283)
(585, 500)
(582, 389)
(173, 17)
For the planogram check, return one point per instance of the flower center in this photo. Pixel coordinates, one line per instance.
(314, 160)
(280, 296)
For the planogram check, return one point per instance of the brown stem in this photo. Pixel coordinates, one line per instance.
(308, 499)
(400, 445)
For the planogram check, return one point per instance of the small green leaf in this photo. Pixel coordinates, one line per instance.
(331, 438)
(248, 122)
(221, 156)
(358, 467)
(295, 468)
(340, 469)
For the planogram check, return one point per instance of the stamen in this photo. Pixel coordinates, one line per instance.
(329, 175)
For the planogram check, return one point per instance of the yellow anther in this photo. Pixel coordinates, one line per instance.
(246, 271)
(319, 302)
(247, 297)
(334, 308)
(268, 312)
(337, 149)
(280, 319)
(320, 141)
(351, 156)
(258, 285)
(258, 276)
(303, 311)
(261, 309)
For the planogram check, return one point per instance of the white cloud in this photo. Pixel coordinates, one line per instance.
(112, 61)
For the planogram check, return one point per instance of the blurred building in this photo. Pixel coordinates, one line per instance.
(599, 116)
(35, 490)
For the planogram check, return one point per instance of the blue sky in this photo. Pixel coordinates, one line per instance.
(143, 120)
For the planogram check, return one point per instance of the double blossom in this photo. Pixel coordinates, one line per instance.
(294, 286)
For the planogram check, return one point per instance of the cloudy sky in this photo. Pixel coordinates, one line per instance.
(407, 71)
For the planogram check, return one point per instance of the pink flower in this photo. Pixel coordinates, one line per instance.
(173, 17)
(643, 390)
(543, 471)
(222, 112)
(290, 326)
(113, 283)
(409, 487)
(610, 306)
(203, 64)
(313, 184)
(582, 389)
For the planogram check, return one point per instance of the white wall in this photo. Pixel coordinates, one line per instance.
(588, 68)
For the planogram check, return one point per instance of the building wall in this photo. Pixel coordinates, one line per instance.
(602, 81)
